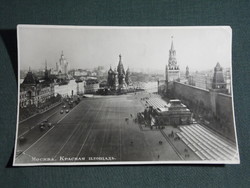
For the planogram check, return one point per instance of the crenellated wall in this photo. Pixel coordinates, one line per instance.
(196, 95)
(209, 103)
(224, 107)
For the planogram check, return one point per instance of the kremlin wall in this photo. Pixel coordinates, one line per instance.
(207, 104)
(212, 107)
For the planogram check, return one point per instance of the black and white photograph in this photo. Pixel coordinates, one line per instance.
(95, 95)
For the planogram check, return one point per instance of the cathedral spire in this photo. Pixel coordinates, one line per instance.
(120, 59)
(120, 68)
(110, 68)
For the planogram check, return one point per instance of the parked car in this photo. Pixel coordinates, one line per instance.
(21, 139)
(49, 125)
(42, 127)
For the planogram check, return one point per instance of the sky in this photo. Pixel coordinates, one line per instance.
(142, 48)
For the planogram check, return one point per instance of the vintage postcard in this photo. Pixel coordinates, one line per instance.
(125, 95)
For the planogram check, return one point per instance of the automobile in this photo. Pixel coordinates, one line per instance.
(206, 122)
(21, 139)
(61, 111)
(42, 127)
(67, 111)
(43, 123)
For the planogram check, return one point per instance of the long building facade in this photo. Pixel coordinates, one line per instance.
(34, 91)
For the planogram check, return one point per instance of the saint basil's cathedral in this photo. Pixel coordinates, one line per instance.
(118, 79)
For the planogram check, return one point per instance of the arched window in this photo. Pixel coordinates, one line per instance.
(29, 95)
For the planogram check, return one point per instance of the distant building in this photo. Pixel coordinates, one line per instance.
(219, 85)
(128, 78)
(61, 73)
(187, 72)
(227, 76)
(62, 66)
(34, 91)
(201, 79)
(184, 78)
(81, 73)
(91, 86)
(119, 80)
(172, 69)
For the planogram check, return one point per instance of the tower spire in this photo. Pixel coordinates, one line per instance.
(120, 57)
(172, 63)
(45, 64)
(172, 44)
